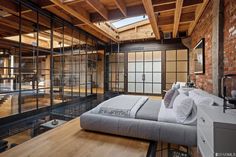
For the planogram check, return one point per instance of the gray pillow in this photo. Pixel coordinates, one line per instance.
(168, 97)
(173, 98)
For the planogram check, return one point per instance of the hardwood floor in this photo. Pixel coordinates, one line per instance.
(70, 140)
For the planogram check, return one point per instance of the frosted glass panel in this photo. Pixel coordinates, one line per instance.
(182, 54)
(131, 67)
(148, 88)
(110, 77)
(156, 55)
(131, 87)
(156, 66)
(171, 55)
(131, 56)
(157, 77)
(148, 56)
(139, 67)
(121, 57)
(148, 66)
(139, 87)
(139, 77)
(139, 56)
(157, 88)
(112, 57)
(131, 77)
(171, 66)
(148, 77)
(121, 77)
(182, 66)
(121, 67)
(182, 77)
(170, 77)
(113, 77)
(121, 87)
(113, 67)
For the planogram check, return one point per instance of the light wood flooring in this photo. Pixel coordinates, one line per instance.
(70, 140)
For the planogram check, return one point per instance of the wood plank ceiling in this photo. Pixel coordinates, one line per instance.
(93, 16)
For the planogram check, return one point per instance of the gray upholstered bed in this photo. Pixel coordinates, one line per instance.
(145, 125)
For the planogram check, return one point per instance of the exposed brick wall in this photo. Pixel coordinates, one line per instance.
(230, 36)
(203, 29)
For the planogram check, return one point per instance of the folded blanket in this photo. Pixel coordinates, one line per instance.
(122, 106)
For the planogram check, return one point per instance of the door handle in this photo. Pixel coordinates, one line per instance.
(143, 77)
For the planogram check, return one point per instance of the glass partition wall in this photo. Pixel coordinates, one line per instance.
(47, 63)
(147, 72)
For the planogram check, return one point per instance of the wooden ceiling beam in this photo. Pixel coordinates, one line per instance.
(198, 14)
(167, 20)
(116, 14)
(83, 16)
(178, 10)
(161, 2)
(99, 7)
(172, 6)
(152, 18)
(121, 5)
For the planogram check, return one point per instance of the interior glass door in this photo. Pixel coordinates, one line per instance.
(144, 72)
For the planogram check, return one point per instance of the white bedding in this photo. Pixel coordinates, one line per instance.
(122, 106)
(166, 114)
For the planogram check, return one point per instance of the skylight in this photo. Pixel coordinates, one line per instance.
(128, 21)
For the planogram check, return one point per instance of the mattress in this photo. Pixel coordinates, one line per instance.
(144, 126)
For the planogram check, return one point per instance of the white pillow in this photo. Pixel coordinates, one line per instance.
(182, 107)
(200, 99)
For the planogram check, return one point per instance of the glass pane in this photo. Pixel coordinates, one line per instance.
(131, 77)
(121, 77)
(156, 66)
(148, 77)
(171, 55)
(110, 78)
(121, 67)
(171, 66)
(139, 66)
(131, 67)
(131, 87)
(182, 77)
(157, 88)
(121, 87)
(139, 87)
(157, 77)
(170, 77)
(182, 66)
(148, 66)
(156, 55)
(182, 54)
(139, 56)
(113, 77)
(121, 57)
(148, 88)
(28, 100)
(10, 105)
(131, 56)
(112, 58)
(148, 56)
(139, 77)
(113, 67)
